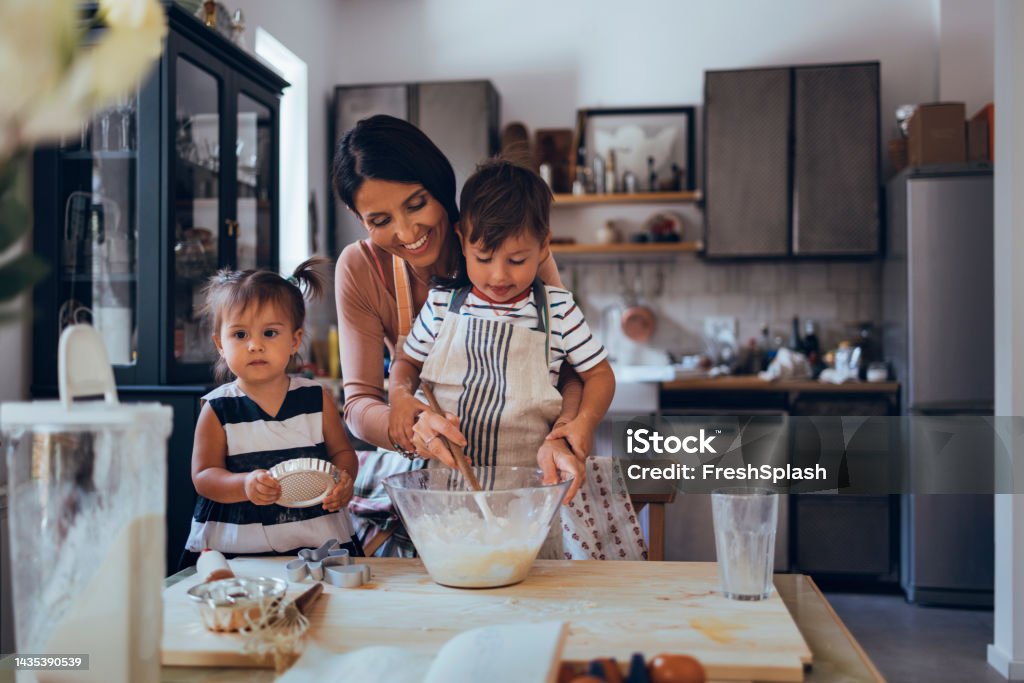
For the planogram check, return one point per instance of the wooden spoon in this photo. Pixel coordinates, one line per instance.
(460, 458)
(457, 452)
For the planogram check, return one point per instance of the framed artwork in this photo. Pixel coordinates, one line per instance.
(655, 143)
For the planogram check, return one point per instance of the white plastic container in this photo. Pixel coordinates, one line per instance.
(87, 492)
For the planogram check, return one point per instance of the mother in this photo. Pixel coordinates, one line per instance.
(402, 188)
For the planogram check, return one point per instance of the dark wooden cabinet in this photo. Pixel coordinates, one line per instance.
(746, 187)
(792, 162)
(842, 540)
(135, 214)
(460, 117)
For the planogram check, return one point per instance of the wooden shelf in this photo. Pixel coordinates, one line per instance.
(628, 248)
(638, 198)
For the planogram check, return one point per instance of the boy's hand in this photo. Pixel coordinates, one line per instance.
(558, 463)
(579, 435)
(341, 494)
(404, 409)
(261, 488)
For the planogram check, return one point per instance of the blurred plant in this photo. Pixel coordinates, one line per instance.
(58, 67)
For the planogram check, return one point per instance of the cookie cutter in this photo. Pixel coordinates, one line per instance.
(330, 563)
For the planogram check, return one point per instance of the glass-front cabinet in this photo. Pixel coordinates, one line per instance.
(141, 208)
(137, 210)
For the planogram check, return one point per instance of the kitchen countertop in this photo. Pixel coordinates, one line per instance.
(836, 654)
(752, 383)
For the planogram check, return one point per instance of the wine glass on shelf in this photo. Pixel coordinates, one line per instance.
(125, 112)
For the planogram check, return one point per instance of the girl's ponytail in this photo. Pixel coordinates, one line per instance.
(309, 277)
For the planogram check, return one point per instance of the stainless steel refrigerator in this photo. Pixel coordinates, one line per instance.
(938, 332)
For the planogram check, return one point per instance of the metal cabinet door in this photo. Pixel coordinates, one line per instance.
(462, 119)
(351, 105)
(835, 160)
(746, 182)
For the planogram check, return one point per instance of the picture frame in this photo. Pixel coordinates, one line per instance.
(638, 134)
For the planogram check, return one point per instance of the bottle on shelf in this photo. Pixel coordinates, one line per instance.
(599, 175)
(795, 343)
(812, 347)
(765, 351)
(611, 184)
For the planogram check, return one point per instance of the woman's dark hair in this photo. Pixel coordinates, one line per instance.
(236, 290)
(385, 148)
(502, 199)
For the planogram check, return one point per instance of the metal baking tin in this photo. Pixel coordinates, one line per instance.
(305, 482)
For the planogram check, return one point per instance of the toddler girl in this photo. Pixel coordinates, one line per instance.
(262, 418)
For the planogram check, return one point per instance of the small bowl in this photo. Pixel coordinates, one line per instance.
(459, 546)
(231, 604)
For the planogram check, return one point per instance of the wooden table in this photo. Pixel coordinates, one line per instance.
(836, 655)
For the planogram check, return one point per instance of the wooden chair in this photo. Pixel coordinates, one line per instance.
(655, 503)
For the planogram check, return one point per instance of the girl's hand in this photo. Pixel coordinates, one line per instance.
(404, 409)
(341, 494)
(579, 436)
(261, 488)
(558, 463)
(428, 427)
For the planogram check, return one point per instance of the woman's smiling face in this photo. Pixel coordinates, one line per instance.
(404, 220)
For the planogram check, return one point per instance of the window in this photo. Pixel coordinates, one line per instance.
(293, 216)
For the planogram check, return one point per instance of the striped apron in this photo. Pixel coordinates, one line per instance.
(495, 376)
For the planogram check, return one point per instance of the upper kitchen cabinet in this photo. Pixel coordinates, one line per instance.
(792, 162)
(461, 117)
(139, 210)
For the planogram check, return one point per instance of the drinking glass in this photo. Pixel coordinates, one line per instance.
(745, 520)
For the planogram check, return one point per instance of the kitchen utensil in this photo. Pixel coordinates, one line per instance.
(460, 549)
(230, 604)
(329, 562)
(459, 455)
(638, 322)
(87, 486)
(745, 519)
(277, 632)
(305, 482)
(515, 144)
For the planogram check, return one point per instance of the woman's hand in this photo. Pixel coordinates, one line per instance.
(341, 494)
(261, 488)
(558, 463)
(404, 409)
(429, 426)
(578, 434)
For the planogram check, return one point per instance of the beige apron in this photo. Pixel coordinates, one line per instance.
(495, 377)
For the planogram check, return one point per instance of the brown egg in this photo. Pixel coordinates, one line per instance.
(676, 669)
(565, 673)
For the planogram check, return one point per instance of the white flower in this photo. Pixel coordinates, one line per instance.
(58, 83)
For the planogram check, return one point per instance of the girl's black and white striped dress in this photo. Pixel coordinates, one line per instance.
(256, 440)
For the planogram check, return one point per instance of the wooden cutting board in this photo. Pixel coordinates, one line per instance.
(613, 610)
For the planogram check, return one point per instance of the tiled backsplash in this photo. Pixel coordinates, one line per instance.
(837, 296)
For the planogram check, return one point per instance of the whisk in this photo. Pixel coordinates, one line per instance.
(279, 627)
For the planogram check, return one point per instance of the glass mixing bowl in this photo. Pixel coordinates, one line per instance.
(476, 539)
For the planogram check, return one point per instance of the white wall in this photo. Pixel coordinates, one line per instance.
(966, 32)
(549, 58)
(310, 30)
(1006, 653)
